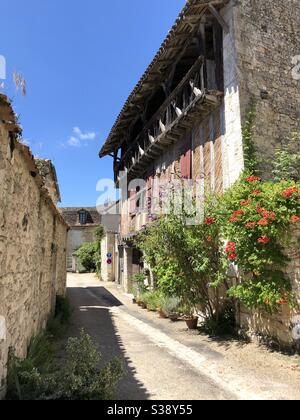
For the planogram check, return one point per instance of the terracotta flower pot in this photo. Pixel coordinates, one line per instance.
(162, 314)
(192, 323)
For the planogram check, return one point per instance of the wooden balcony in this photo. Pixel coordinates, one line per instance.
(189, 103)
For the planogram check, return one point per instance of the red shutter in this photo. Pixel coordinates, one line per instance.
(186, 163)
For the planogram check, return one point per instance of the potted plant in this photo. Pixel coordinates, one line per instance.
(189, 316)
(139, 288)
(170, 308)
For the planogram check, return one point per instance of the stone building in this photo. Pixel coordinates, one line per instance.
(185, 116)
(32, 241)
(83, 223)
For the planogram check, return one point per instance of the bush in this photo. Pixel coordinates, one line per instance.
(224, 325)
(88, 256)
(139, 286)
(57, 325)
(80, 378)
(152, 299)
(171, 306)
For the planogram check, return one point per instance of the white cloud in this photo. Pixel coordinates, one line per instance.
(83, 136)
(79, 138)
(74, 142)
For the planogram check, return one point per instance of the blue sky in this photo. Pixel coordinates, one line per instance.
(80, 61)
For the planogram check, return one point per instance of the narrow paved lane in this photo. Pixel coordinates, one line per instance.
(164, 361)
(157, 366)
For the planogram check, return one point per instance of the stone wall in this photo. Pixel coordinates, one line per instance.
(267, 38)
(32, 248)
(278, 326)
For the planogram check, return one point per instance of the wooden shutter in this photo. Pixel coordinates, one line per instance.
(186, 159)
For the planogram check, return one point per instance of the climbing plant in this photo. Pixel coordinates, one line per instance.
(286, 164)
(258, 217)
(251, 160)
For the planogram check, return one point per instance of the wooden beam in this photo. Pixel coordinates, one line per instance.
(219, 18)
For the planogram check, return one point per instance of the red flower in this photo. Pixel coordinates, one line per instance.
(209, 221)
(260, 210)
(267, 302)
(233, 219)
(250, 225)
(245, 202)
(295, 219)
(263, 240)
(239, 213)
(289, 192)
(256, 192)
(282, 302)
(209, 239)
(232, 257)
(263, 222)
(272, 215)
(253, 178)
(230, 248)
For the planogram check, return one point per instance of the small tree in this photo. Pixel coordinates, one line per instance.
(87, 255)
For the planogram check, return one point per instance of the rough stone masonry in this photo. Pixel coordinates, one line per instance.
(32, 244)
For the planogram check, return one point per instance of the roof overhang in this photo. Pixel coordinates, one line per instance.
(185, 27)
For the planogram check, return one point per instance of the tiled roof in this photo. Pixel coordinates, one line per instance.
(71, 216)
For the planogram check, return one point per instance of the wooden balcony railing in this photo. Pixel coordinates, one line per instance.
(187, 103)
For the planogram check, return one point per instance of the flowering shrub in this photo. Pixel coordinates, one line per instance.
(191, 262)
(257, 219)
(187, 261)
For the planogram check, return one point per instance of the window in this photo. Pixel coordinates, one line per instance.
(83, 218)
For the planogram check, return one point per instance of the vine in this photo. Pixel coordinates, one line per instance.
(250, 156)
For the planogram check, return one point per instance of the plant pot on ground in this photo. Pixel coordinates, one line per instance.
(162, 314)
(170, 308)
(188, 312)
(174, 317)
(192, 323)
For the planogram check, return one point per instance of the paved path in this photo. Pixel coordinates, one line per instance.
(160, 363)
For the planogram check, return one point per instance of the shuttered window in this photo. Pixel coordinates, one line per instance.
(186, 159)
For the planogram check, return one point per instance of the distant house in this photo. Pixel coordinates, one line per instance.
(83, 222)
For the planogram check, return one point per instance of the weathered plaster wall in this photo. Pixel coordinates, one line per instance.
(232, 141)
(32, 249)
(109, 272)
(267, 38)
(78, 236)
